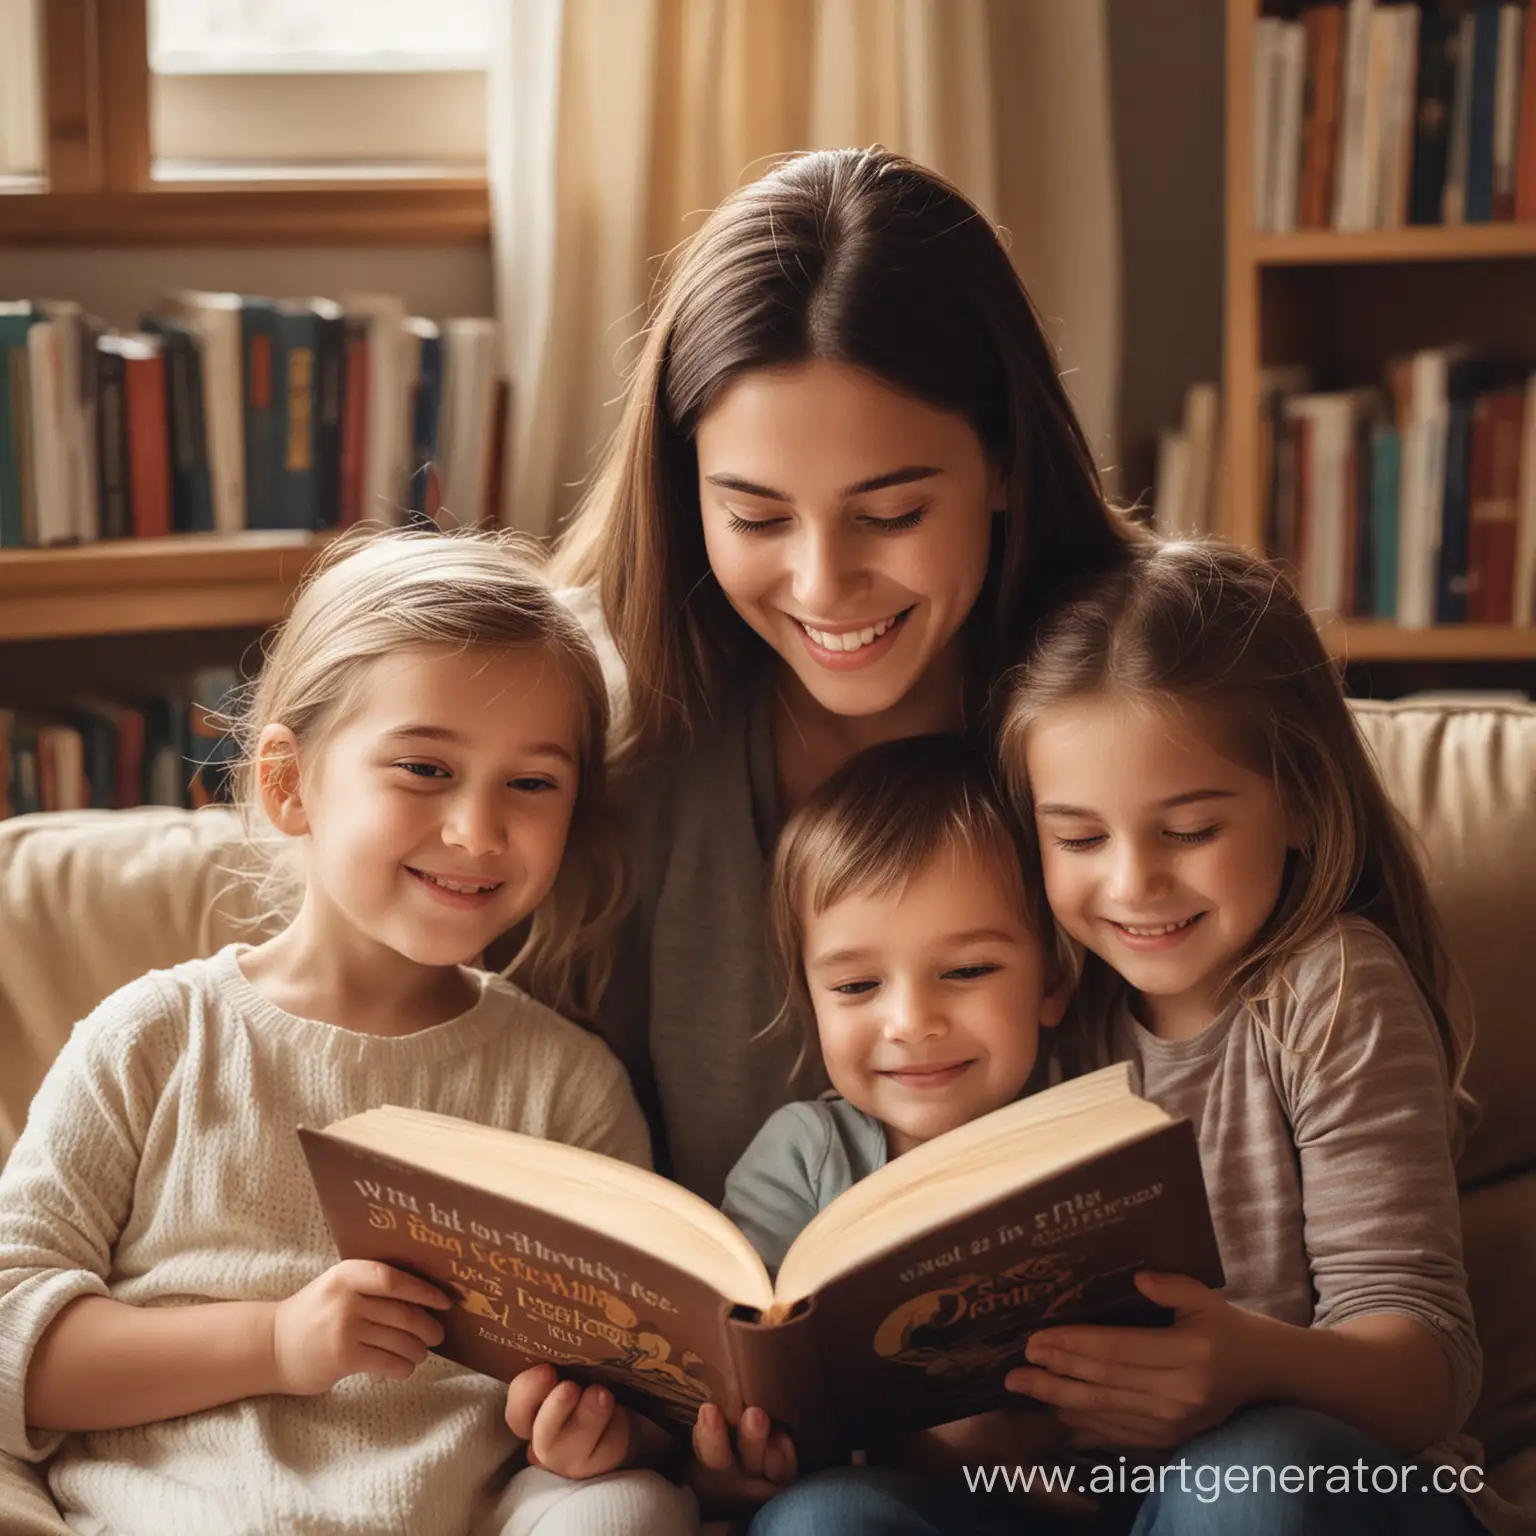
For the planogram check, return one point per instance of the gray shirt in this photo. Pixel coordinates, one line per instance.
(799, 1163)
(693, 998)
(1325, 1130)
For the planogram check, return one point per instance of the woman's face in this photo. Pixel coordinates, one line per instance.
(848, 524)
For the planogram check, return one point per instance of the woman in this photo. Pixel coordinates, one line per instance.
(846, 484)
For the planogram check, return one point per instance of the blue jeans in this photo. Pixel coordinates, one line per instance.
(1273, 1439)
(1200, 1494)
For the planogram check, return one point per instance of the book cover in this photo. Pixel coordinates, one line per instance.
(1498, 422)
(112, 448)
(1385, 446)
(295, 360)
(1525, 147)
(1324, 25)
(263, 437)
(1506, 109)
(191, 481)
(354, 421)
(148, 431)
(330, 408)
(1438, 41)
(1453, 204)
(16, 319)
(424, 494)
(1463, 380)
(1485, 64)
(901, 1305)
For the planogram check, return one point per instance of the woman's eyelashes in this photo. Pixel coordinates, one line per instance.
(1096, 839)
(897, 524)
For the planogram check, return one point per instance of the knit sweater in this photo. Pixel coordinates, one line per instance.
(160, 1167)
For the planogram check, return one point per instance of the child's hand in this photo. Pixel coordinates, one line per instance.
(359, 1316)
(577, 1432)
(1146, 1386)
(745, 1469)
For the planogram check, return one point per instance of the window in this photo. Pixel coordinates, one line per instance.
(21, 95)
(263, 88)
(244, 122)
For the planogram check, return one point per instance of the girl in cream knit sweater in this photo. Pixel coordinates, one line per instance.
(425, 749)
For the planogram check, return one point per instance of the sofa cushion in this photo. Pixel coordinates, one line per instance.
(91, 899)
(1465, 776)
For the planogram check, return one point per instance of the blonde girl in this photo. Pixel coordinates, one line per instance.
(424, 758)
(1260, 943)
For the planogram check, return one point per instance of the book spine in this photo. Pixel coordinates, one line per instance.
(1384, 492)
(1485, 56)
(1497, 425)
(778, 1367)
(1453, 204)
(295, 358)
(1320, 122)
(1525, 148)
(1451, 573)
(424, 498)
(1432, 116)
(354, 422)
(112, 454)
(330, 408)
(1506, 102)
(257, 321)
(13, 379)
(149, 469)
(191, 485)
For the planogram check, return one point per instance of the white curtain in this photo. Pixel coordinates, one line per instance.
(617, 124)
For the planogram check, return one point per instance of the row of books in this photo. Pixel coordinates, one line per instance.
(1375, 116)
(1414, 502)
(227, 412)
(108, 754)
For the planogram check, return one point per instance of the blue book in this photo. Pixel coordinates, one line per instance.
(258, 319)
(1386, 460)
(1485, 64)
(296, 358)
(1463, 380)
(15, 452)
(330, 400)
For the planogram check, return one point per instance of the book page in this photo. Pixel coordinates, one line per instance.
(1014, 1147)
(631, 1205)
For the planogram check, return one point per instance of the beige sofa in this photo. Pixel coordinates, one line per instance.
(89, 900)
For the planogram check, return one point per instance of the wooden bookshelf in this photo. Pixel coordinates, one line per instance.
(134, 586)
(1345, 303)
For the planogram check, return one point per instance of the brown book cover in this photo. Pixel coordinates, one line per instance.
(1324, 26)
(1525, 139)
(902, 1305)
(1498, 422)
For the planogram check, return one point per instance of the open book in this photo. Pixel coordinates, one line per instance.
(902, 1304)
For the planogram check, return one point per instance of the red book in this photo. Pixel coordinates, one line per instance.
(1498, 422)
(148, 431)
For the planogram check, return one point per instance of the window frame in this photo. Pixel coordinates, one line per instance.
(99, 191)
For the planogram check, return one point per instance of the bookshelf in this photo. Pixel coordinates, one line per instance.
(139, 586)
(1344, 303)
